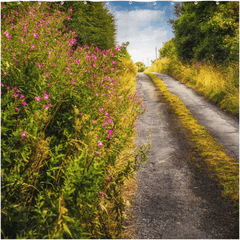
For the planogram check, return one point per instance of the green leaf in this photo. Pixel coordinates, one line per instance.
(66, 229)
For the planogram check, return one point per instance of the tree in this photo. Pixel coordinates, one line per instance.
(207, 31)
(141, 66)
(92, 22)
(177, 13)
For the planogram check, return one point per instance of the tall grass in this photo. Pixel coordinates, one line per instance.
(216, 82)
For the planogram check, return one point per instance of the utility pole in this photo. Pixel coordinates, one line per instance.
(156, 52)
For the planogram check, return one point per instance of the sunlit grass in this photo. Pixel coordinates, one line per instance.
(217, 83)
(225, 167)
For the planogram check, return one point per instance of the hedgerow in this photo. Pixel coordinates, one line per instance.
(67, 120)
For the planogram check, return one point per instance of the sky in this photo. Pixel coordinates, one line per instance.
(144, 25)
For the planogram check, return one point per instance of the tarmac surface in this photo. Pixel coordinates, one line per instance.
(174, 199)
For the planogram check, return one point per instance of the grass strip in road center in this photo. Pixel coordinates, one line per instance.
(226, 168)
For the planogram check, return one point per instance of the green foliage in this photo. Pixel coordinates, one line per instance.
(124, 53)
(64, 129)
(169, 49)
(141, 66)
(92, 22)
(207, 31)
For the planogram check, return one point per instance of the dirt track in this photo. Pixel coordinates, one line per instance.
(175, 200)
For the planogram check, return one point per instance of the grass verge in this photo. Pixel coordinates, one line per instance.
(225, 169)
(217, 83)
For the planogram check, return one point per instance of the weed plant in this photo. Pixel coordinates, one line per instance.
(216, 82)
(68, 128)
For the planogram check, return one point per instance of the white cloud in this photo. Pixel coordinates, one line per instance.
(136, 28)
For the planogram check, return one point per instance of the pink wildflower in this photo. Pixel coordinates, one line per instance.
(35, 35)
(46, 96)
(7, 35)
(37, 98)
(101, 193)
(24, 103)
(100, 144)
(23, 134)
(15, 95)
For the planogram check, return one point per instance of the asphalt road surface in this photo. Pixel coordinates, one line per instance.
(174, 199)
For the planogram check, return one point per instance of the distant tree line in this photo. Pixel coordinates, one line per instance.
(205, 31)
(141, 66)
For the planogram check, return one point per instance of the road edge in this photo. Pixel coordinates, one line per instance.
(223, 168)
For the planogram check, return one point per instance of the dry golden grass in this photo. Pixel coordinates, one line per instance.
(215, 82)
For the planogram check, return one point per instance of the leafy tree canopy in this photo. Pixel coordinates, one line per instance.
(92, 23)
(206, 31)
(141, 66)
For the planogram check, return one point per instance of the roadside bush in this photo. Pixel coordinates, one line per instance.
(169, 49)
(66, 126)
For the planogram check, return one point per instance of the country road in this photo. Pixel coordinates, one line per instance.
(174, 199)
